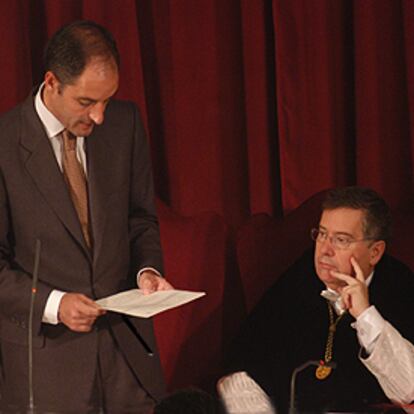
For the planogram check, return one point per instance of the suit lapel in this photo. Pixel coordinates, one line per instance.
(99, 179)
(41, 164)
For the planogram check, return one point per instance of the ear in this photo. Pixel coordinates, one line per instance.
(377, 249)
(52, 83)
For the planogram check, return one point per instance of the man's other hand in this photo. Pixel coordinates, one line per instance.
(78, 312)
(150, 282)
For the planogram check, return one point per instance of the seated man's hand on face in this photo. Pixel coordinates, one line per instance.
(355, 292)
(150, 282)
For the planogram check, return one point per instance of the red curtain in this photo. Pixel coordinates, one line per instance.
(251, 106)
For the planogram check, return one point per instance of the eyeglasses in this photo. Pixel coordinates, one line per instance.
(338, 241)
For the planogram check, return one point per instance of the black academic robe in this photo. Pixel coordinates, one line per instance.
(290, 326)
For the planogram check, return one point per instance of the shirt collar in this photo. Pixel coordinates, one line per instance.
(52, 125)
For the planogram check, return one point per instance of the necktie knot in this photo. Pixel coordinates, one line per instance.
(69, 140)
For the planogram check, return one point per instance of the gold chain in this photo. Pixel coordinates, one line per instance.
(324, 369)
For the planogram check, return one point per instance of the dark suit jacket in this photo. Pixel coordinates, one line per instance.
(35, 204)
(290, 327)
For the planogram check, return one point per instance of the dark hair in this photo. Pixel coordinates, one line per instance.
(189, 401)
(377, 219)
(71, 48)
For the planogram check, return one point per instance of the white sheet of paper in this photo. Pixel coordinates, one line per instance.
(134, 302)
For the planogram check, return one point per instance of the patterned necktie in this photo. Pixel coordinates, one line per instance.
(76, 181)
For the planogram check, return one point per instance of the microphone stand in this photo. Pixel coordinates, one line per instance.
(30, 327)
(292, 409)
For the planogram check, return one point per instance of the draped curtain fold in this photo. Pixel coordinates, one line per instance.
(250, 106)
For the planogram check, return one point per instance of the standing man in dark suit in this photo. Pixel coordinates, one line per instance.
(75, 174)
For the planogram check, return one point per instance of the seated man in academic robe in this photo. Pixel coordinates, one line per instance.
(341, 318)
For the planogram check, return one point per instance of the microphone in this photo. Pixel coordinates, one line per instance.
(30, 325)
(296, 371)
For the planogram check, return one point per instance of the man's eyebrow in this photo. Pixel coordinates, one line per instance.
(91, 100)
(84, 98)
(344, 233)
(337, 233)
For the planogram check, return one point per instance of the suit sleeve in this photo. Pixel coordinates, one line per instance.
(143, 220)
(15, 282)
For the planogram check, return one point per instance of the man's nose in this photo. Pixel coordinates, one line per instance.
(97, 113)
(327, 247)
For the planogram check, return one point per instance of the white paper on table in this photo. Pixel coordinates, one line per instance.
(133, 302)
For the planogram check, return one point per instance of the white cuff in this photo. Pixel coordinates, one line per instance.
(392, 363)
(242, 395)
(369, 326)
(144, 269)
(50, 314)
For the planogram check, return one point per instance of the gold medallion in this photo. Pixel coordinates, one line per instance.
(322, 372)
